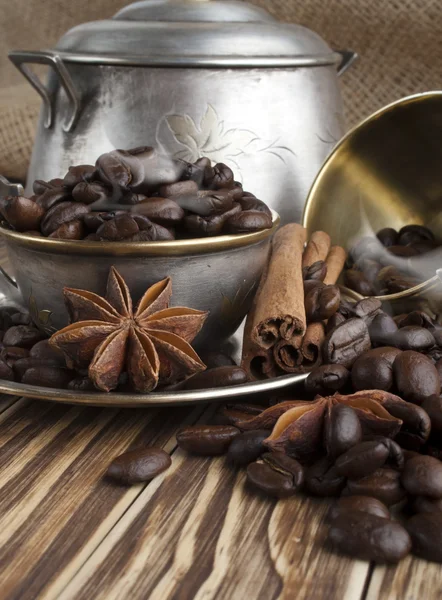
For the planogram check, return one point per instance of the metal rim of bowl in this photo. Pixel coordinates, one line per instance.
(420, 287)
(160, 248)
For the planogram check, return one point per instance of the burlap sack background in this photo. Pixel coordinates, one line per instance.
(399, 43)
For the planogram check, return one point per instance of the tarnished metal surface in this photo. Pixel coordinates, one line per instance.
(221, 280)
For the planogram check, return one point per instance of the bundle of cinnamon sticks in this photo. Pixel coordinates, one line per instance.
(278, 336)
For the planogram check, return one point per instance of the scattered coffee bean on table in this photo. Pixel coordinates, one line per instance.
(136, 466)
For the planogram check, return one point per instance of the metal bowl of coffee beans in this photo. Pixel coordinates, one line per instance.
(149, 216)
(379, 195)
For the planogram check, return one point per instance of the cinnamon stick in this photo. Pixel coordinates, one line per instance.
(335, 263)
(311, 345)
(317, 248)
(279, 311)
(287, 354)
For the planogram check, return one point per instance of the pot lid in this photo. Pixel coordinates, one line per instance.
(195, 33)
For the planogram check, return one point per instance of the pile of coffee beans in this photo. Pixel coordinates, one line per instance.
(365, 348)
(389, 498)
(138, 195)
(376, 265)
(25, 353)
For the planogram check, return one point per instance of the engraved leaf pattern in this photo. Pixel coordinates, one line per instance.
(210, 138)
(231, 308)
(42, 318)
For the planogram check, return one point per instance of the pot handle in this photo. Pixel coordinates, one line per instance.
(20, 58)
(11, 293)
(348, 58)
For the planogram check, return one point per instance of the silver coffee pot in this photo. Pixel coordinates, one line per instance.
(221, 79)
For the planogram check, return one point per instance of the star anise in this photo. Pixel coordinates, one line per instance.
(151, 343)
(298, 425)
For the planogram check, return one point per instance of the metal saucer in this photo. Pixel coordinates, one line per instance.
(166, 398)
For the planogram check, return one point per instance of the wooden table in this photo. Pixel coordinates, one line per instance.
(194, 532)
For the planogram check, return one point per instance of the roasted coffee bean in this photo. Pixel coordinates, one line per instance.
(247, 447)
(205, 203)
(163, 211)
(62, 213)
(23, 336)
(20, 318)
(416, 376)
(356, 280)
(366, 309)
(422, 476)
(222, 177)
(396, 284)
(23, 364)
(364, 504)
(425, 530)
(53, 377)
(207, 226)
(138, 465)
(14, 352)
(388, 236)
(344, 344)
(411, 337)
(416, 424)
(152, 233)
(334, 321)
(311, 284)
(92, 192)
(326, 378)
(342, 429)
(217, 377)
(432, 405)
(362, 459)
(384, 484)
(318, 271)
(395, 453)
(73, 230)
(22, 213)
(252, 203)
(417, 318)
(43, 349)
(93, 220)
(119, 228)
(374, 370)
(400, 251)
(52, 196)
(409, 454)
(322, 479)
(381, 329)
(77, 174)
(276, 475)
(248, 221)
(213, 359)
(6, 371)
(369, 537)
(180, 188)
(422, 504)
(81, 384)
(39, 186)
(143, 169)
(411, 233)
(206, 440)
(322, 302)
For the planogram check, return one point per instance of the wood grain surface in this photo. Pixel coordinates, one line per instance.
(196, 531)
